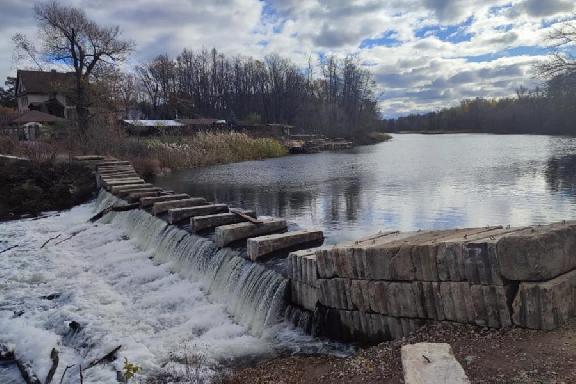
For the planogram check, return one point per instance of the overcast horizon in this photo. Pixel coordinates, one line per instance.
(424, 54)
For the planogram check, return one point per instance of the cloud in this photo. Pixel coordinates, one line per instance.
(425, 54)
(541, 8)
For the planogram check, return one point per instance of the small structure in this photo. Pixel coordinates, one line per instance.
(152, 127)
(192, 126)
(32, 125)
(48, 92)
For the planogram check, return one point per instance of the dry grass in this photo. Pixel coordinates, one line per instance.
(206, 148)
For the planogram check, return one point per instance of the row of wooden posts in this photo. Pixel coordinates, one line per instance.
(264, 236)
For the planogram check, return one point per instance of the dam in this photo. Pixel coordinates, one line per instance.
(377, 288)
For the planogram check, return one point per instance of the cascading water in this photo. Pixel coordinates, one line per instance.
(253, 294)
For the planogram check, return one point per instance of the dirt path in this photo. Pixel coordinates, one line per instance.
(517, 356)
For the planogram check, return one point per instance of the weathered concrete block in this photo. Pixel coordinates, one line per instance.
(304, 295)
(539, 253)
(126, 187)
(431, 363)
(362, 327)
(107, 163)
(164, 206)
(546, 305)
(265, 245)
(176, 215)
(200, 223)
(335, 293)
(149, 201)
(135, 197)
(227, 234)
(454, 301)
(126, 192)
(302, 266)
(126, 181)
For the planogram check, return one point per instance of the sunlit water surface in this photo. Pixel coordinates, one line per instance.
(412, 182)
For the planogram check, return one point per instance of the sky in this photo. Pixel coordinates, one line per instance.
(424, 54)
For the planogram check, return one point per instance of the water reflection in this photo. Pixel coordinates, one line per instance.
(561, 175)
(413, 182)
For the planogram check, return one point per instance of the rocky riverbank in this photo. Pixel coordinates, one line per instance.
(30, 188)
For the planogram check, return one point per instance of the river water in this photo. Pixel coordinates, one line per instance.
(412, 182)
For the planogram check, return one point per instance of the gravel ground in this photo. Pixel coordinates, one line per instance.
(514, 355)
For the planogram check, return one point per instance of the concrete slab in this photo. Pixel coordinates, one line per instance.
(125, 187)
(162, 207)
(177, 215)
(126, 192)
(149, 201)
(227, 234)
(134, 197)
(538, 253)
(546, 305)
(200, 223)
(265, 245)
(431, 363)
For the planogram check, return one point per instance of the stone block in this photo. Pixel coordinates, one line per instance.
(176, 215)
(149, 201)
(431, 363)
(546, 305)
(200, 223)
(539, 253)
(162, 207)
(303, 295)
(227, 234)
(265, 245)
(126, 187)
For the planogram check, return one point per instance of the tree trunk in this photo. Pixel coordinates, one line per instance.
(83, 114)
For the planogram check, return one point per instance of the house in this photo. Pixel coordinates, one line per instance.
(49, 92)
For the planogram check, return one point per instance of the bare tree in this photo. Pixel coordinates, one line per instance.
(561, 60)
(69, 36)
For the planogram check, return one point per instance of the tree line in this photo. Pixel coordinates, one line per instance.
(336, 98)
(548, 109)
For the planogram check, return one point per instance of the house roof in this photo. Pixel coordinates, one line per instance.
(153, 123)
(45, 82)
(36, 117)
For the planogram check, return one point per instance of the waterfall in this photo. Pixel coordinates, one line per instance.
(253, 294)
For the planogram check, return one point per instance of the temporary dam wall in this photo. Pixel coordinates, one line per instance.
(385, 286)
(379, 288)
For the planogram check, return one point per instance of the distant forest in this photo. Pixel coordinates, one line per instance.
(336, 98)
(547, 110)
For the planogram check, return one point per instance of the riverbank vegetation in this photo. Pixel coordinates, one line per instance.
(335, 97)
(30, 187)
(162, 154)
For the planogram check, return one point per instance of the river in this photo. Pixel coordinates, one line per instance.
(412, 182)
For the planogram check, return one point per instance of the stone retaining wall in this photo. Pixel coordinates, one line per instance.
(384, 286)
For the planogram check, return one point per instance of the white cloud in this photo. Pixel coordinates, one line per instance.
(469, 47)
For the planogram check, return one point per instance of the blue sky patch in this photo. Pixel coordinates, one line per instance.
(387, 40)
(450, 33)
(516, 51)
